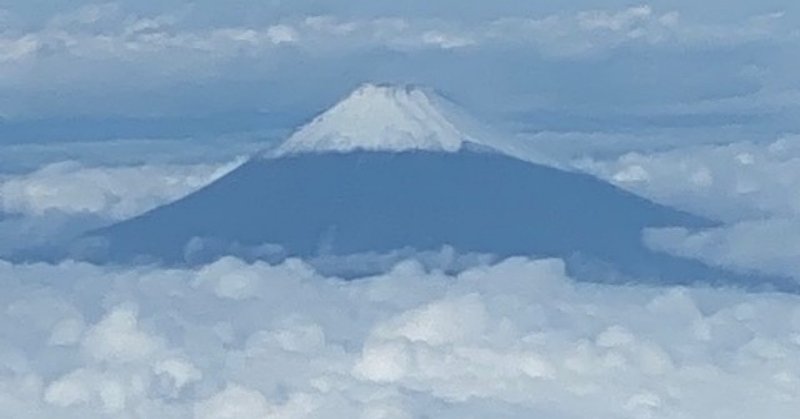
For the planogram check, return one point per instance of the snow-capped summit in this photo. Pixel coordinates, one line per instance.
(380, 117)
(393, 168)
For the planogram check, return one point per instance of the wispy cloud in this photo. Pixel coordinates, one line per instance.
(123, 55)
(106, 31)
(770, 246)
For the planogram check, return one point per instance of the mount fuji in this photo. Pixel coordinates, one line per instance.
(396, 167)
(386, 118)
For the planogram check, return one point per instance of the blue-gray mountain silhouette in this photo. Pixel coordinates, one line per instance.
(474, 201)
(393, 168)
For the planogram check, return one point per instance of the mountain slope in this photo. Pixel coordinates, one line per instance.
(393, 168)
(342, 204)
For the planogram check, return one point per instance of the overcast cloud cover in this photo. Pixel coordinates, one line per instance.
(110, 109)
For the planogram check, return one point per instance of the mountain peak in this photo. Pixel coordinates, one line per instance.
(383, 117)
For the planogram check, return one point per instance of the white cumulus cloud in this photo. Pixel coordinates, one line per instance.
(514, 339)
(111, 192)
(731, 182)
(749, 186)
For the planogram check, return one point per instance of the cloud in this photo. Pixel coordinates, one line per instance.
(540, 65)
(617, 21)
(109, 31)
(117, 338)
(89, 341)
(110, 192)
(748, 185)
(169, 42)
(17, 49)
(233, 403)
(731, 182)
(54, 204)
(51, 229)
(769, 246)
(22, 155)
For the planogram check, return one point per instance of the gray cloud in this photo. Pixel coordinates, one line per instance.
(106, 32)
(769, 245)
(127, 59)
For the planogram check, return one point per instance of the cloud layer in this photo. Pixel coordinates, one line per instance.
(517, 339)
(98, 31)
(127, 58)
(731, 182)
(115, 193)
(750, 186)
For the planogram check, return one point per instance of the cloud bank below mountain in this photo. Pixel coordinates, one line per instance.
(519, 338)
(113, 192)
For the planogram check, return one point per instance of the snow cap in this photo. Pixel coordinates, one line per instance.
(379, 117)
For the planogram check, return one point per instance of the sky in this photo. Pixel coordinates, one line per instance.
(124, 68)
(108, 110)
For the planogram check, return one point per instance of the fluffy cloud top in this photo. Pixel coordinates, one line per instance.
(751, 186)
(516, 339)
(731, 182)
(113, 192)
